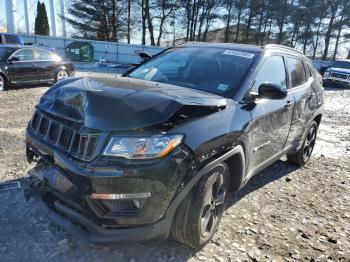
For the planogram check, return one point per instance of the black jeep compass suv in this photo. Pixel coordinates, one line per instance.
(154, 153)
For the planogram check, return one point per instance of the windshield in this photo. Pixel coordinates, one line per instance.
(5, 53)
(341, 64)
(214, 70)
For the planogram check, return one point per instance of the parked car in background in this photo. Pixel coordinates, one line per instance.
(338, 74)
(11, 39)
(31, 65)
(321, 66)
(155, 152)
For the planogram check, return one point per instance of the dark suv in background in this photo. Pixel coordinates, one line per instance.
(338, 74)
(31, 65)
(11, 39)
(155, 152)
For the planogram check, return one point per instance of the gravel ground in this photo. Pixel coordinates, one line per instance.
(283, 214)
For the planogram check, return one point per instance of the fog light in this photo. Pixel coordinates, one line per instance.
(120, 196)
(136, 203)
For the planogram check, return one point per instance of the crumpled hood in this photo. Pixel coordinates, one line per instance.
(121, 103)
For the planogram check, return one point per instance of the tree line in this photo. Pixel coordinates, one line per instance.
(316, 27)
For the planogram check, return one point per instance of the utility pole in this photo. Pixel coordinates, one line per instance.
(11, 16)
(53, 17)
(26, 16)
(63, 20)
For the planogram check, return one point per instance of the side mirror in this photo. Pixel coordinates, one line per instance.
(12, 59)
(271, 91)
(144, 55)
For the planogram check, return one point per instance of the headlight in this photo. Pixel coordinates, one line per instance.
(134, 147)
(327, 73)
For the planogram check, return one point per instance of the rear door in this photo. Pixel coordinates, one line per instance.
(45, 64)
(23, 67)
(271, 118)
(301, 82)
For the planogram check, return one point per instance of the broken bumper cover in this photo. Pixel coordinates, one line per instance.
(82, 227)
(64, 189)
(70, 215)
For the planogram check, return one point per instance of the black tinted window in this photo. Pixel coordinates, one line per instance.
(213, 70)
(296, 71)
(272, 71)
(11, 39)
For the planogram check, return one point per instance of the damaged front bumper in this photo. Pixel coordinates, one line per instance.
(65, 190)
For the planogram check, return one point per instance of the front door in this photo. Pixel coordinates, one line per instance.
(271, 119)
(23, 67)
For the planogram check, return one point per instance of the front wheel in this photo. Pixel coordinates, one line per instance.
(199, 215)
(3, 83)
(61, 74)
(302, 156)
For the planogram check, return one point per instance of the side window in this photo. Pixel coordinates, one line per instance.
(23, 55)
(11, 39)
(296, 71)
(272, 71)
(41, 54)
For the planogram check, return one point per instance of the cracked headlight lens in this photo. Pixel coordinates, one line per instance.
(133, 147)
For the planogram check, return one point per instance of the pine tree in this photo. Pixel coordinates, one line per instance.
(41, 21)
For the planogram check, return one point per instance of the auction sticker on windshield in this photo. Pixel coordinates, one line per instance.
(238, 53)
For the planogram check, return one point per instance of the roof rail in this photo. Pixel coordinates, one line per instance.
(282, 47)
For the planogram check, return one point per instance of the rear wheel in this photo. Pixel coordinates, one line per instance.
(199, 215)
(3, 83)
(302, 156)
(61, 74)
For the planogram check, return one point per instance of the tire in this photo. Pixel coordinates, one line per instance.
(199, 215)
(61, 74)
(302, 156)
(3, 83)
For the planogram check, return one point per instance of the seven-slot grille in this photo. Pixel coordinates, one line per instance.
(81, 145)
(339, 75)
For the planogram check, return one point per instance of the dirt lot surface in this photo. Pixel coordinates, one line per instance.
(283, 214)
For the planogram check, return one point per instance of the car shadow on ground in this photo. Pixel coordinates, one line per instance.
(275, 172)
(29, 86)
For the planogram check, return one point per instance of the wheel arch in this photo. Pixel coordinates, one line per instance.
(4, 76)
(60, 67)
(317, 119)
(236, 165)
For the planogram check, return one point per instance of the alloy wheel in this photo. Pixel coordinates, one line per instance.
(61, 75)
(309, 143)
(214, 200)
(2, 83)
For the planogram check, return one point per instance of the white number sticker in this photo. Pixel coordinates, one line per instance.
(238, 53)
